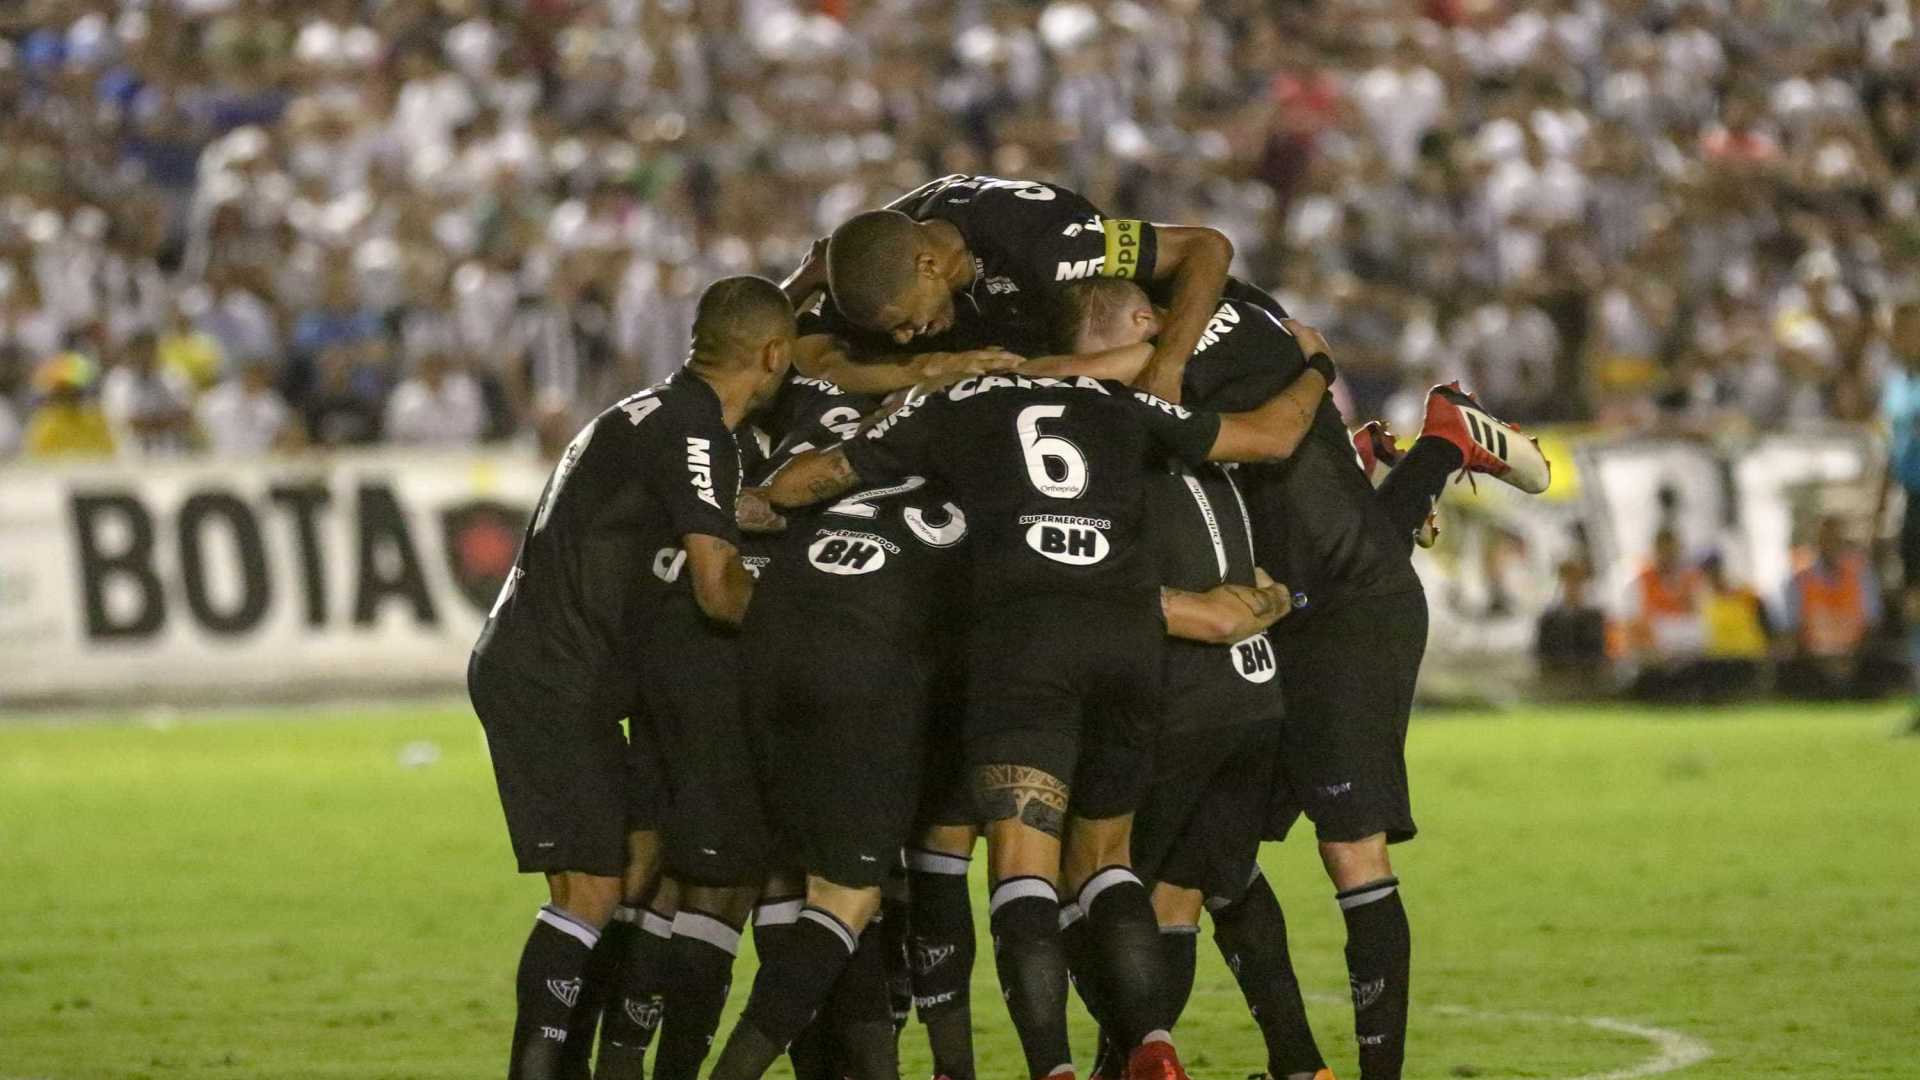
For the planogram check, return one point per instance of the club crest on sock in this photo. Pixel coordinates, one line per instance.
(1366, 993)
(567, 990)
(925, 957)
(644, 1012)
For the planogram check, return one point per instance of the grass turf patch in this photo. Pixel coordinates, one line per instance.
(328, 893)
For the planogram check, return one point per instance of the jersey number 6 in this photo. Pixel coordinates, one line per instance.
(1055, 466)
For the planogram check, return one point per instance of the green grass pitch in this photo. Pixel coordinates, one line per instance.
(279, 895)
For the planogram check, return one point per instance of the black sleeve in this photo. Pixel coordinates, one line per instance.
(697, 475)
(898, 445)
(1055, 233)
(1187, 434)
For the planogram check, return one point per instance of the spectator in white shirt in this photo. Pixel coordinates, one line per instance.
(150, 408)
(438, 405)
(245, 415)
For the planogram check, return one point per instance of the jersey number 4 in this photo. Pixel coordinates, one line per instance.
(1055, 466)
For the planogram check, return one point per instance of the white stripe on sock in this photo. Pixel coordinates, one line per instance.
(778, 914)
(937, 862)
(626, 914)
(1361, 899)
(1070, 914)
(1183, 929)
(656, 924)
(1102, 881)
(693, 924)
(827, 920)
(568, 925)
(1010, 891)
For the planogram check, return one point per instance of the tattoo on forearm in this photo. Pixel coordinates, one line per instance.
(1033, 797)
(835, 476)
(1263, 604)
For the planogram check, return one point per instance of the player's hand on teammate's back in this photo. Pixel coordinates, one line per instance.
(1311, 340)
(755, 513)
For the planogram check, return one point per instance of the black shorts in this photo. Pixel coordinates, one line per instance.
(568, 783)
(1070, 687)
(1201, 823)
(716, 826)
(946, 792)
(844, 721)
(1348, 678)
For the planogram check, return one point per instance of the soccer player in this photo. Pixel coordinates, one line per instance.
(1349, 656)
(648, 484)
(1900, 407)
(1064, 658)
(966, 262)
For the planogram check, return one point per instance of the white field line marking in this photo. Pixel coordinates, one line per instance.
(1674, 1050)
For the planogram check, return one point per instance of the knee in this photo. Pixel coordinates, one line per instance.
(1357, 862)
(587, 897)
(1175, 906)
(853, 906)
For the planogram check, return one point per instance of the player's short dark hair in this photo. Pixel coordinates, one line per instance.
(737, 315)
(1093, 302)
(870, 262)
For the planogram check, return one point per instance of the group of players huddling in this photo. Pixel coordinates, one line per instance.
(979, 545)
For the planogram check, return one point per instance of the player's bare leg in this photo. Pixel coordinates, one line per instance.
(552, 970)
(1114, 942)
(1379, 949)
(1026, 812)
(940, 947)
(706, 938)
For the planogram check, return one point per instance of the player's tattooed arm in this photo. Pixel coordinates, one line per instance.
(822, 356)
(722, 586)
(1273, 431)
(811, 477)
(1196, 259)
(1225, 614)
(755, 514)
(1032, 797)
(1122, 364)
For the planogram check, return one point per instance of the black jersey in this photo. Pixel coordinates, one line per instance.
(1205, 539)
(1051, 474)
(1317, 525)
(602, 556)
(1025, 237)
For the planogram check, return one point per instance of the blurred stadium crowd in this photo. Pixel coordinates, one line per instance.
(233, 225)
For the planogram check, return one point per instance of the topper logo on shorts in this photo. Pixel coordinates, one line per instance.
(847, 553)
(1253, 659)
(1075, 541)
(700, 466)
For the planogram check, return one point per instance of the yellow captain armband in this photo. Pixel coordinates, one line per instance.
(1123, 247)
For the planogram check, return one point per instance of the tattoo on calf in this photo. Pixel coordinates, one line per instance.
(1033, 797)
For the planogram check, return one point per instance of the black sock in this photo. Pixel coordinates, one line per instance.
(596, 986)
(1025, 916)
(861, 1010)
(1177, 955)
(1119, 917)
(1083, 966)
(699, 974)
(813, 1052)
(632, 1014)
(546, 989)
(797, 974)
(894, 922)
(1252, 935)
(940, 952)
(1379, 954)
(1409, 491)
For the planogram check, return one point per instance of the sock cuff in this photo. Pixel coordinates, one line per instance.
(1362, 895)
(1070, 914)
(936, 862)
(1020, 888)
(652, 922)
(1103, 879)
(628, 913)
(700, 926)
(832, 922)
(1181, 930)
(778, 912)
(568, 925)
